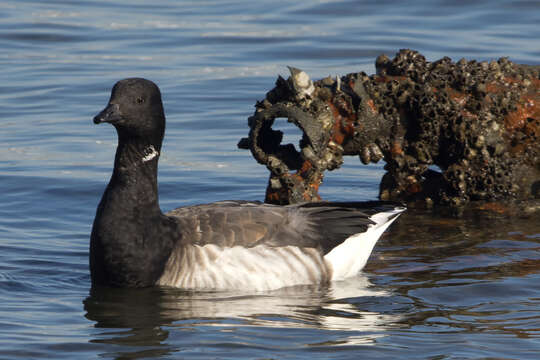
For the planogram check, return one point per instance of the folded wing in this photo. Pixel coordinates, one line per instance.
(320, 225)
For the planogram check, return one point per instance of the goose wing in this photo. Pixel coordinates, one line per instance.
(321, 225)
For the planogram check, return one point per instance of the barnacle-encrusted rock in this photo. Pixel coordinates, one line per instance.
(478, 122)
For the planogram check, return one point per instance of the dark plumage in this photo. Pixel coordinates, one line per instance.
(134, 244)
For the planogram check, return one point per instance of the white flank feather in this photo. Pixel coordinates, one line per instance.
(257, 268)
(348, 258)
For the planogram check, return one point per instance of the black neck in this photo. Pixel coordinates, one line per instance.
(135, 176)
(130, 235)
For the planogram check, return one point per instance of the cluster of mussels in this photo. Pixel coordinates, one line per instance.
(448, 132)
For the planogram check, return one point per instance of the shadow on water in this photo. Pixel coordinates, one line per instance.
(129, 318)
(474, 240)
(470, 274)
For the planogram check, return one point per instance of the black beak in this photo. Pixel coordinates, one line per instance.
(110, 114)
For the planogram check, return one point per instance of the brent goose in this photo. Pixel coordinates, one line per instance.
(224, 245)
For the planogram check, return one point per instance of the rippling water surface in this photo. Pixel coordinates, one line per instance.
(437, 286)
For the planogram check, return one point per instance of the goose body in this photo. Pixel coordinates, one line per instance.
(224, 245)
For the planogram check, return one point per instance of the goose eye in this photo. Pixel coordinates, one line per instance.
(139, 100)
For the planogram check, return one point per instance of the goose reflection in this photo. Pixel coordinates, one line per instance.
(147, 317)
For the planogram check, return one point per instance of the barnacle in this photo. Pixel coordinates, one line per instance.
(478, 122)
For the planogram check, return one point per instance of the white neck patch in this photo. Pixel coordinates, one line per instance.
(150, 152)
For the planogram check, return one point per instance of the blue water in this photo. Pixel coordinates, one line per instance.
(436, 287)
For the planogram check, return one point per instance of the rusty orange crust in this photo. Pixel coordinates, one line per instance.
(498, 86)
(275, 196)
(312, 189)
(388, 78)
(303, 175)
(303, 178)
(494, 207)
(493, 87)
(414, 188)
(372, 106)
(525, 119)
(520, 119)
(343, 126)
(457, 96)
(305, 168)
(351, 83)
(396, 149)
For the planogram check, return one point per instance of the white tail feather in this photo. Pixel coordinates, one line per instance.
(350, 257)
